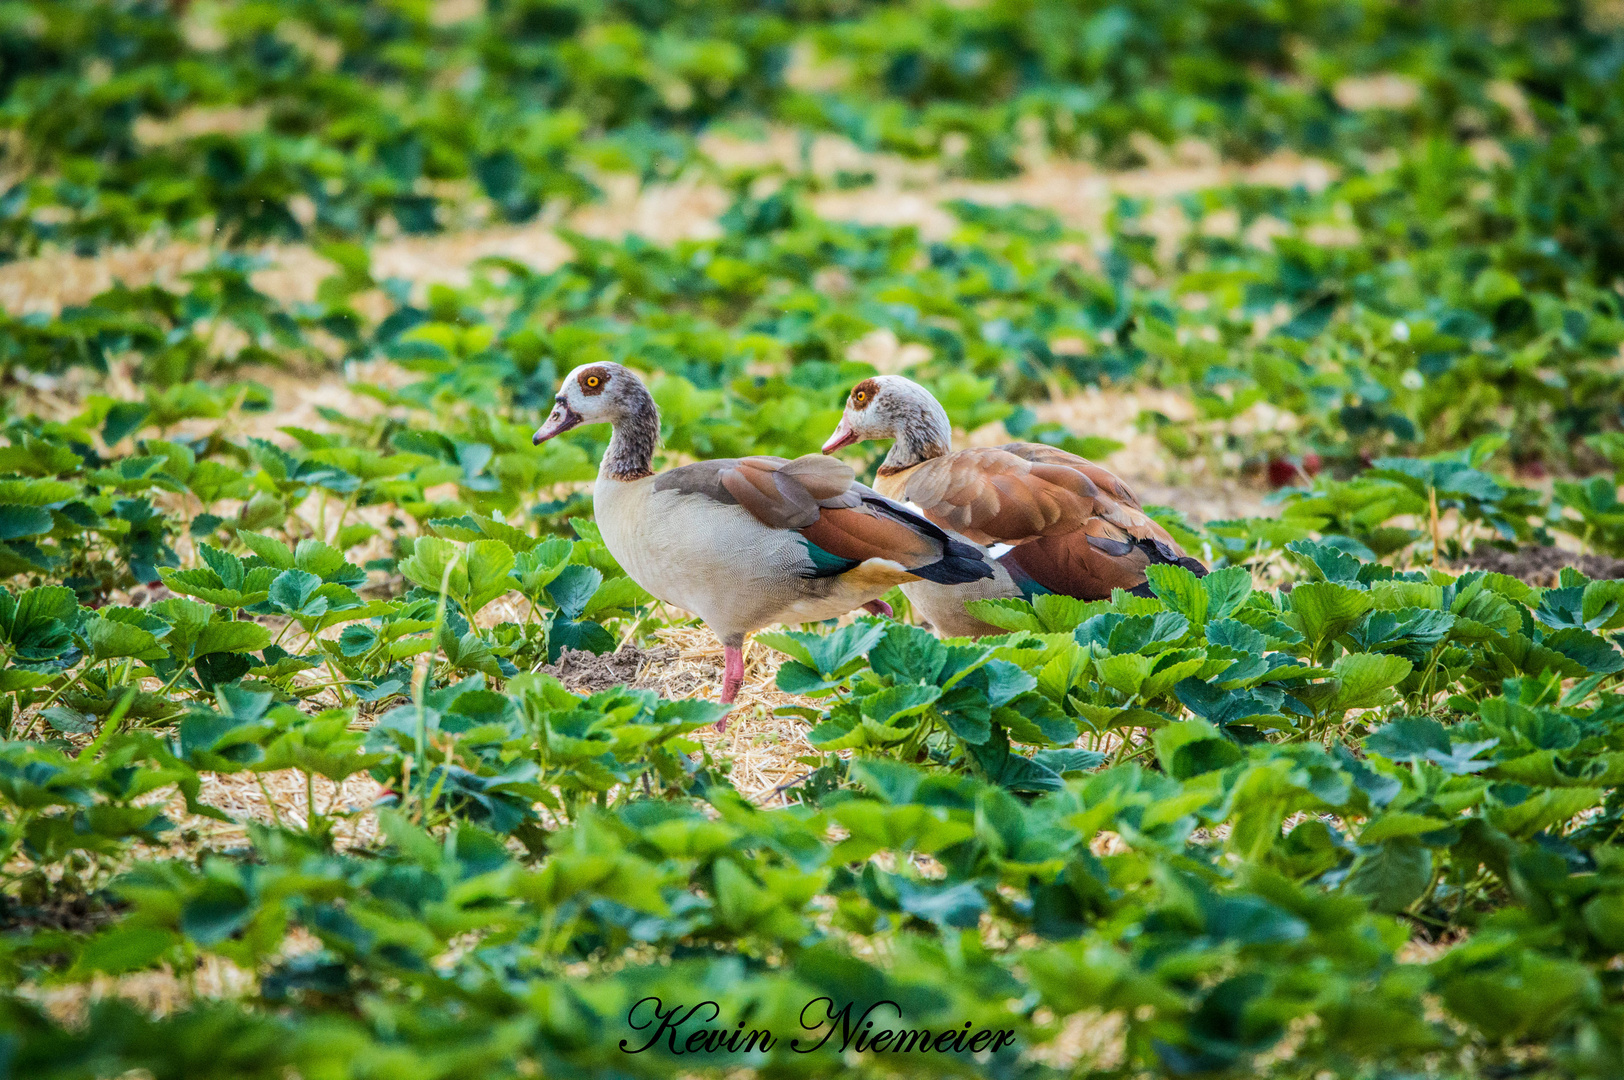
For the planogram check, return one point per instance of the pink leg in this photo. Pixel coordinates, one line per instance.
(732, 672)
(732, 678)
(878, 607)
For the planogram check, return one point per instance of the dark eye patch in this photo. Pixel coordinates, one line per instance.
(593, 380)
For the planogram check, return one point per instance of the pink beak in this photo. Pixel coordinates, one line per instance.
(843, 436)
(559, 421)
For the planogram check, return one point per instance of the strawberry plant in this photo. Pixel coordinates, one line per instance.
(289, 785)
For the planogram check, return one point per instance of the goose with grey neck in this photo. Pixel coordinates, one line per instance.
(747, 542)
(1056, 523)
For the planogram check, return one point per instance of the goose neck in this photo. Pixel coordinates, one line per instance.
(631, 448)
(923, 435)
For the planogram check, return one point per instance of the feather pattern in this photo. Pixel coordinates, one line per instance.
(1074, 527)
(819, 498)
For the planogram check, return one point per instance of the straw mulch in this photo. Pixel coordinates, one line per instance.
(763, 748)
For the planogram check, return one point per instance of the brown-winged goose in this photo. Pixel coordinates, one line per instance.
(747, 542)
(1056, 523)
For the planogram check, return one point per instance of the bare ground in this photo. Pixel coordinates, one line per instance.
(904, 193)
(1540, 565)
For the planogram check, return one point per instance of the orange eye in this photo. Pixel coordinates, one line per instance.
(592, 380)
(860, 397)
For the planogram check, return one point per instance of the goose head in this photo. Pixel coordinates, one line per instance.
(601, 393)
(893, 407)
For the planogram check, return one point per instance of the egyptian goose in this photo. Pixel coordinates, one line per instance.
(746, 542)
(1056, 522)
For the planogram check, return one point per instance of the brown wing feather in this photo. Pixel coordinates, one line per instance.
(860, 534)
(818, 497)
(770, 500)
(1077, 528)
(1074, 565)
(993, 496)
(823, 477)
(1103, 478)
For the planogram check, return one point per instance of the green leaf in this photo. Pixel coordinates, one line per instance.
(1393, 876)
(1035, 720)
(1494, 286)
(273, 551)
(908, 653)
(32, 492)
(515, 538)
(899, 702)
(1063, 671)
(1193, 747)
(1011, 771)
(1543, 810)
(12, 679)
(294, 593)
(534, 569)
(1063, 762)
(1324, 562)
(690, 713)
(20, 521)
(1227, 590)
(1590, 651)
(1181, 590)
(873, 826)
(233, 637)
(1365, 680)
(202, 583)
(1170, 669)
(1115, 633)
(573, 588)
(568, 634)
(1517, 994)
(1125, 673)
(1409, 738)
(123, 948)
(228, 567)
(967, 713)
(947, 905)
(215, 912)
(427, 565)
(123, 419)
(796, 678)
(328, 563)
(186, 619)
(488, 563)
(617, 594)
(830, 655)
(212, 481)
(38, 624)
(68, 720)
(1060, 614)
(1013, 615)
(1396, 823)
(1327, 609)
(1604, 918)
(111, 639)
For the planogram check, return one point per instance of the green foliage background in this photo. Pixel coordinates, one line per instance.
(1365, 823)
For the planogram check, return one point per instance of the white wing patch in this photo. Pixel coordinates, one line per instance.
(878, 563)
